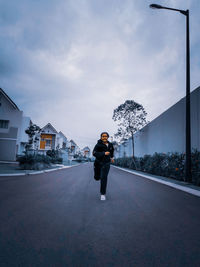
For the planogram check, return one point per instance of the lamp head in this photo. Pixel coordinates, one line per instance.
(155, 6)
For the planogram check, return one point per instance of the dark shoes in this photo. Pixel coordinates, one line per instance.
(97, 178)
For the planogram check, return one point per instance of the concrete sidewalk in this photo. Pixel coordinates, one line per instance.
(12, 169)
(180, 185)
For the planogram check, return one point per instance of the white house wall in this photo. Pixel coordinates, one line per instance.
(61, 139)
(8, 137)
(48, 129)
(23, 137)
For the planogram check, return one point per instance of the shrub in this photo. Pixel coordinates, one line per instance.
(54, 156)
(34, 162)
(169, 165)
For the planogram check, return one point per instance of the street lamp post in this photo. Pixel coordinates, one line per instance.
(188, 173)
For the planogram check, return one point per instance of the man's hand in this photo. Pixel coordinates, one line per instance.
(107, 153)
(112, 160)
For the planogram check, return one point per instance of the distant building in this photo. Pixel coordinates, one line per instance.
(13, 138)
(12, 128)
(48, 138)
(74, 149)
(62, 141)
(86, 152)
(63, 145)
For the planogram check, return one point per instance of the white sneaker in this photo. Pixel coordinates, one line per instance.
(103, 197)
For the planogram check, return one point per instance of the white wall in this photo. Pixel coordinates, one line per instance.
(166, 133)
(8, 112)
(23, 137)
(8, 137)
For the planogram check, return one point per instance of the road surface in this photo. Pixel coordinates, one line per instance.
(58, 219)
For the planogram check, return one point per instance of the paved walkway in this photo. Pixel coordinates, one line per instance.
(187, 187)
(13, 169)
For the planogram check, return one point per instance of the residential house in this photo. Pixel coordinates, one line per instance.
(49, 138)
(73, 149)
(86, 152)
(12, 128)
(63, 145)
(62, 141)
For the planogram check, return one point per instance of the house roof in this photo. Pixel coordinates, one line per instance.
(73, 142)
(9, 99)
(49, 125)
(86, 147)
(62, 134)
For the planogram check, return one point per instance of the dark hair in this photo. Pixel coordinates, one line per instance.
(104, 133)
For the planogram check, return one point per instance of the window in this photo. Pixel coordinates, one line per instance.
(64, 145)
(4, 124)
(48, 143)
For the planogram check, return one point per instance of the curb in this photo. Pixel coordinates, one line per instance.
(179, 187)
(13, 174)
(37, 172)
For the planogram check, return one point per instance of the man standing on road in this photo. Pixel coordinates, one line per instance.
(103, 151)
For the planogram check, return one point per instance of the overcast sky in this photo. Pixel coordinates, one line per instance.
(72, 62)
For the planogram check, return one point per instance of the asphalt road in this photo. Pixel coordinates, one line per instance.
(58, 219)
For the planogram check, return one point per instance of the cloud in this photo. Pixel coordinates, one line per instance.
(72, 63)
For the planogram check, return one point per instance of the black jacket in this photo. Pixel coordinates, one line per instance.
(100, 149)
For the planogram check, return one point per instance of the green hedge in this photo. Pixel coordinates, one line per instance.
(36, 161)
(54, 156)
(164, 164)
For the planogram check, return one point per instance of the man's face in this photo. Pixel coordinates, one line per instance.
(104, 137)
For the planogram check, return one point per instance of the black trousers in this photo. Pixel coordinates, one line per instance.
(103, 175)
